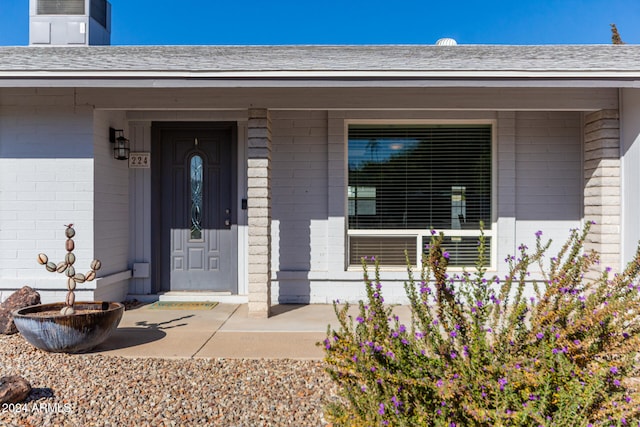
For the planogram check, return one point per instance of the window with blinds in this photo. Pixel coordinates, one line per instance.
(405, 180)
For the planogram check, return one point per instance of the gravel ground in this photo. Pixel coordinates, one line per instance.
(96, 390)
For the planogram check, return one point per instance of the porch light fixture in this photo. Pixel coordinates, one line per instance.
(120, 144)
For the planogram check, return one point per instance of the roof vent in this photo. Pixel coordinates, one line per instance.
(446, 42)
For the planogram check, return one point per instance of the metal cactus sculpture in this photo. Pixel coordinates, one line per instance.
(69, 270)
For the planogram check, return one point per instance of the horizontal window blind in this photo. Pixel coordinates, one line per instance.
(387, 250)
(419, 177)
(463, 250)
(415, 178)
(60, 7)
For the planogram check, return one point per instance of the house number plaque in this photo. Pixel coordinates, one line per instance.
(140, 160)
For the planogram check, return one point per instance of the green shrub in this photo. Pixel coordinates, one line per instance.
(481, 352)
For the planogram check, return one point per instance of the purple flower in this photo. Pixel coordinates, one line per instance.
(453, 355)
(433, 232)
(616, 383)
(395, 401)
(402, 329)
(453, 334)
(539, 335)
(538, 233)
(360, 319)
(613, 370)
(502, 381)
(381, 409)
(445, 254)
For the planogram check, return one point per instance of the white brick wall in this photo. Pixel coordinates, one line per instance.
(548, 180)
(539, 172)
(111, 198)
(46, 181)
(300, 190)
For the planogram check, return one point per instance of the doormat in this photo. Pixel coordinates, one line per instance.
(178, 305)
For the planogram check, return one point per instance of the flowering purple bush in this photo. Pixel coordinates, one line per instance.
(480, 352)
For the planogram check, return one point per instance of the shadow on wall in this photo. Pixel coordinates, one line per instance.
(294, 261)
(32, 129)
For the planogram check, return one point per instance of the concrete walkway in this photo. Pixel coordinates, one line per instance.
(226, 331)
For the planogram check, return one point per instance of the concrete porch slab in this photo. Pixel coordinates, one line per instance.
(226, 331)
(146, 332)
(263, 345)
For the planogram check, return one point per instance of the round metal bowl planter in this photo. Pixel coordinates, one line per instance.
(74, 333)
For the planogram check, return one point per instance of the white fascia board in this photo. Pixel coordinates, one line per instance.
(315, 79)
(443, 74)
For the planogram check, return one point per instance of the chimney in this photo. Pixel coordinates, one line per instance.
(69, 22)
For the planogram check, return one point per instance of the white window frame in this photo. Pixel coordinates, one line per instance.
(419, 233)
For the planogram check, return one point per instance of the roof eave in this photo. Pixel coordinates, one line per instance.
(400, 78)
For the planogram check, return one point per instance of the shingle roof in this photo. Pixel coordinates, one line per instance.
(499, 59)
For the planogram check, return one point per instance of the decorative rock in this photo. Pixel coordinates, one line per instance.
(67, 310)
(21, 298)
(13, 389)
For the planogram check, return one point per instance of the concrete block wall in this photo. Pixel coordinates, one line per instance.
(602, 185)
(259, 211)
(111, 196)
(300, 197)
(548, 176)
(539, 170)
(46, 181)
(111, 204)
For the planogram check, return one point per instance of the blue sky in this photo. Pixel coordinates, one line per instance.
(149, 22)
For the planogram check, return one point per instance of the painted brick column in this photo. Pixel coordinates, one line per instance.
(602, 192)
(259, 212)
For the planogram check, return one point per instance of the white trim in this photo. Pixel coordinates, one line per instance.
(446, 80)
(114, 278)
(416, 231)
(457, 74)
